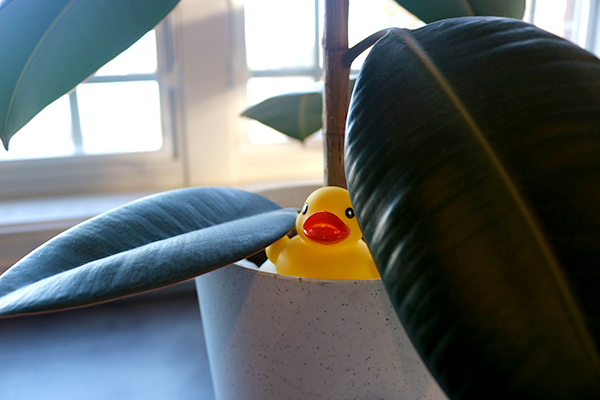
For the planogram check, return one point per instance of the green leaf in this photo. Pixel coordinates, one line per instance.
(147, 244)
(435, 10)
(297, 114)
(50, 46)
(473, 162)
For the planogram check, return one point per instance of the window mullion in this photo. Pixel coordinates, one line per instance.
(75, 123)
(308, 71)
(591, 37)
(123, 78)
(532, 13)
(317, 53)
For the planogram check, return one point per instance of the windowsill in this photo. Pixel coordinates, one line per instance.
(16, 214)
(133, 348)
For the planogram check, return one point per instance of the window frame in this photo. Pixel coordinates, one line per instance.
(591, 40)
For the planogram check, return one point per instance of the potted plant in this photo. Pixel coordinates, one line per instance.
(472, 159)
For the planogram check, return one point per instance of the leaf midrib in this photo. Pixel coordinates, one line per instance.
(468, 5)
(32, 56)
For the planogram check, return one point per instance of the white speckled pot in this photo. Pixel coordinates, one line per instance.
(274, 337)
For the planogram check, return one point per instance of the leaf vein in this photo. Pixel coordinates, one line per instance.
(35, 51)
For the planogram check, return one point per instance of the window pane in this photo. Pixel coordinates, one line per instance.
(555, 16)
(47, 135)
(262, 88)
(115, 117)
(140, 58)
(279, 33)
(368, 17)
(120, 117)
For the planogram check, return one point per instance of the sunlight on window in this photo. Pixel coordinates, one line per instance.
(279, 33)
(114, 117)
(555, 16)
(288, 40)
(47, 135)
(120, 117)
(140, 58)
(291, 43)
(366, 18)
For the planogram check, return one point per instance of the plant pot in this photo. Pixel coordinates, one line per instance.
(271, 336)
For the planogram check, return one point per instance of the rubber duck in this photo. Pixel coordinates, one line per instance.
(329, 243)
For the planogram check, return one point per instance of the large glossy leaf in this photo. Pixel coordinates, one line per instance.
(50, 46)
(473, 159)
(154, 242)
(435, 10)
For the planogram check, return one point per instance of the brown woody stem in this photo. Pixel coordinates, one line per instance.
(336, 94)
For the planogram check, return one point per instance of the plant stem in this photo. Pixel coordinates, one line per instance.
(363, 45)
(336, 94)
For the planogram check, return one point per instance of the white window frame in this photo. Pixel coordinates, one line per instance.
(588, 14)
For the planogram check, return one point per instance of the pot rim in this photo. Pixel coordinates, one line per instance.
(314, 281)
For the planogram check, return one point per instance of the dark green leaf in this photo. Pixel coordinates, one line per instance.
(151, 243)
(48, 47)
(297, 114)
(473, 159)
(435, 10)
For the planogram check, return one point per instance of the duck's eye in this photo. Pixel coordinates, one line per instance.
(349, 212)
(305, 208)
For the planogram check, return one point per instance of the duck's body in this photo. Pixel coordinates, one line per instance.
(329, 244)
(298, 258)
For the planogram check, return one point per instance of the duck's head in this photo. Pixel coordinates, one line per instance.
(327, 218)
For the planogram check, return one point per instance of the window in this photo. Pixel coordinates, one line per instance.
(575, 20)
(555, 16)
(293, 60)
(107, 114)
(284, 55)
(213, 59)
(112, 132)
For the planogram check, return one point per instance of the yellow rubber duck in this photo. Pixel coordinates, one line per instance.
(329, 244)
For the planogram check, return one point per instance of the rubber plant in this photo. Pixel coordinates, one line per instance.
(473, 162)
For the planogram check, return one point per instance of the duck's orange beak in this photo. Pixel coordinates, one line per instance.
(325, 228)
